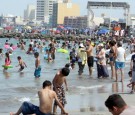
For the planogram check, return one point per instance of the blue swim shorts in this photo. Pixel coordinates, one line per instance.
(28, 108)
(119, 65)
(37, 72)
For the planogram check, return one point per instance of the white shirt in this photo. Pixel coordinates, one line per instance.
(120, 54)
(10, 49)
(129, 111)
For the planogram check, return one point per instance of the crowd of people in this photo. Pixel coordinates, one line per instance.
(83, 52)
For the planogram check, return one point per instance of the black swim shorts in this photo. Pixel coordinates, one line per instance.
(90, 61)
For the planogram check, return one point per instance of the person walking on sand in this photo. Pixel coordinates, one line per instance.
(46, 97)
(58, 81)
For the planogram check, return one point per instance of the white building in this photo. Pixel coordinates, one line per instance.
(44, 9)
(30, 13)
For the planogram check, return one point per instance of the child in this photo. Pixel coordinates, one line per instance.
(132, 67)
(1, 54)
(7, 61)
(30, 49)
(130, 75)
(68, 65)
(58, 81)
(37, 65)
(21, 64)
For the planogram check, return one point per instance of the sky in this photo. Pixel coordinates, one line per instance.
(16, 7)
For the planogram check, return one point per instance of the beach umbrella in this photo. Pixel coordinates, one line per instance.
(8, 28)
(60, 27)
(27, 27)
(103, 31)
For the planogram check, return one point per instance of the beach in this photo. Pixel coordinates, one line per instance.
(86, 96)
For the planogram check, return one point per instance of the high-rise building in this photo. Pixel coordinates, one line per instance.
(44, 9)
(62, 10)
(30, 12)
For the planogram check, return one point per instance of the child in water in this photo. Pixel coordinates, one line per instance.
(37, 65)
(7, 61)
(1, 53)
(21, 64)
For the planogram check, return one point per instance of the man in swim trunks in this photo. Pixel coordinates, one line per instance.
(37, 65)
(58, 81)
(90, 58)
(46, 97)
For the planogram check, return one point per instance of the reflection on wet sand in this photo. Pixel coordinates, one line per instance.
(117, 87)
(6, 74)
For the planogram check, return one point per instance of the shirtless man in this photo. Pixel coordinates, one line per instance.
(37, 65)
(46, 97)
(90, 58)
(58, 81)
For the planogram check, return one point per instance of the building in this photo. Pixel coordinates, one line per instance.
(62, 10)
(76, 22)
(44, 9)
(30, 13)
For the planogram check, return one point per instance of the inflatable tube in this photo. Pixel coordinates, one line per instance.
(7, 66)
(62, 51)
(46, 57)
(14, 47)
(7, 46)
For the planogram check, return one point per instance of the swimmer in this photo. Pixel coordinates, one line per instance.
(1, 53)
(7, 61)
(37, 65)
(21, 64)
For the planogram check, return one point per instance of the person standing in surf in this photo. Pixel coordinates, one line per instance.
(90, 58)
(7, 61)
(37, 65)
(21, 64)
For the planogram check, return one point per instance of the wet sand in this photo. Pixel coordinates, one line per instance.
(90, 101)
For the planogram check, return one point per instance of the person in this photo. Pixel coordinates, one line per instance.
(10, 49)
(120, 61)
(58, 87)
(22, 45)
(21, 64)
(117, 106)
(132, 68)
(30, 49)
(101, 62)
(6, 43)
(37, 65)
(1, 53)
(46, 97)
(52, 51)
(90, 58)
(7, 61)
(111, 56)
(82, 58)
